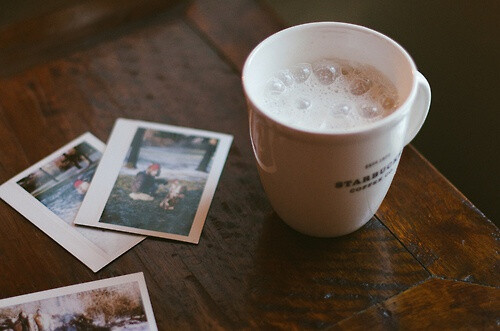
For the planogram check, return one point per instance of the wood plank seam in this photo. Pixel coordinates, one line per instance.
(423, 265)
(469, 279)
(432, 277)
(403, 245)
(388, 311)
(464, 282)
(382, 302)
(211, 43)
(468, 238)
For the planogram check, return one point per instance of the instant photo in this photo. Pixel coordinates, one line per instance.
(120, 303)
(156, 179)
(50, 193)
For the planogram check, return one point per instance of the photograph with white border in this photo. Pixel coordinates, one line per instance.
(156, 180)
(49, 194)
(119, 303)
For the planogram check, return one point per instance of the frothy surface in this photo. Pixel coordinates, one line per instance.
(330, 95)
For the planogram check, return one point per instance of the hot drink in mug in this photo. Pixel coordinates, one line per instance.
(331, 106)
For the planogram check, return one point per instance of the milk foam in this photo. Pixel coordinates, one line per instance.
(329, 95)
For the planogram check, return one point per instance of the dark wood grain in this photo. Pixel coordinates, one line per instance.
(249, 270)
(37, 38)
(30, 260)
(426, 202)
(234, 28)
(248, 264)
(256, 272)
(441, 228)
(437, 304)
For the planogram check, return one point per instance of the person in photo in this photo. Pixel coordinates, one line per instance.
(121, 304)
(146, 183)
(81, 186)
(22, 323)
(39, 320)
(175, 193)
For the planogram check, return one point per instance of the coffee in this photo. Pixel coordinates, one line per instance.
(329, 95)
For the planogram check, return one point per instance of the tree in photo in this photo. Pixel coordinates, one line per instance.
(210, 148)
(135, 148)
(83, 151)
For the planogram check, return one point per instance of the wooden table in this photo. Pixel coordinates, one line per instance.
(428, 259)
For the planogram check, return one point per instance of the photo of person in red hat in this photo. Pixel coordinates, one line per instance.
(81, 186)
(146, 183)
(166, 204)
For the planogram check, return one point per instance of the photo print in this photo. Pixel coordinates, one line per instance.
(50, 193)
(157, 179)
(120, 303)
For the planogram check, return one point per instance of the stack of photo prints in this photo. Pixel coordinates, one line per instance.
(99, 201)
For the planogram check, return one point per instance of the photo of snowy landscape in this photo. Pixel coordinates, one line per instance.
(161, 181)
(117, 307)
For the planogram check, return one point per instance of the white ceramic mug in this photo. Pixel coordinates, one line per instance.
(331, 184)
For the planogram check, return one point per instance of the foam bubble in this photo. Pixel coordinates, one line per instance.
(275, 86)
(325, 72)
(369, 111)
(357, 96)
(301, 72)
(388, 102)
(346, 69)
(340, 109)
(360, 86)
(302, 103)
(286, 77)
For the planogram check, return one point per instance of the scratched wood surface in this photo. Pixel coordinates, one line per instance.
(249, 269)
(437, 304)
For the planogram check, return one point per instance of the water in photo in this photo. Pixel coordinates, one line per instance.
(61, 184)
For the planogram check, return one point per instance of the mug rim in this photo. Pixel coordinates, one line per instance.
(389, 120)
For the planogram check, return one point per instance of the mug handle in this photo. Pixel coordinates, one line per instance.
(419, 109)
